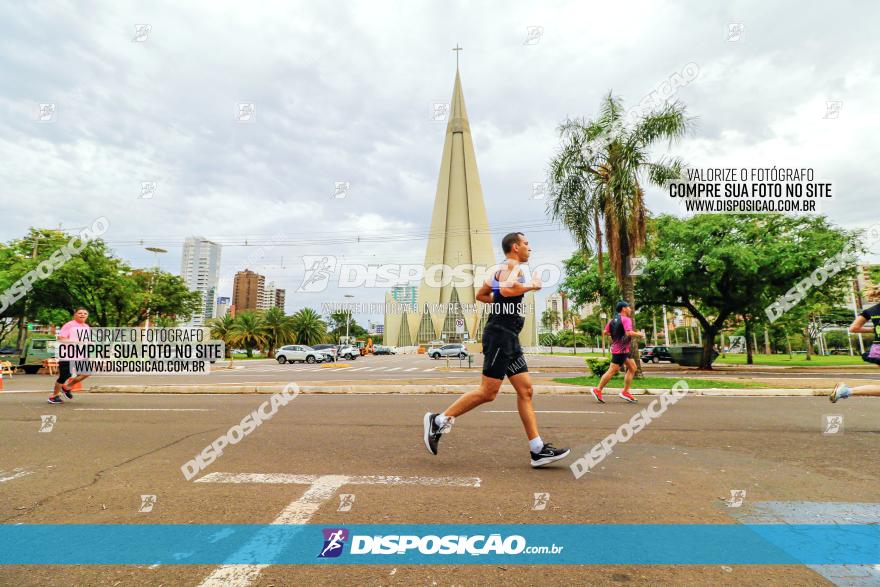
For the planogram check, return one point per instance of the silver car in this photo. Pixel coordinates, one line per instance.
(448, 350)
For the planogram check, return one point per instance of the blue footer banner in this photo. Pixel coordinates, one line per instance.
(527, 544)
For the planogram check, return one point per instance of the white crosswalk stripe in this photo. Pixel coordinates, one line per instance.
(410, 369)
(394, 369)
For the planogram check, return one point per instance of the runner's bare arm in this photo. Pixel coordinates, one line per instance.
(485, 293)
(858, 326)
(512, 287)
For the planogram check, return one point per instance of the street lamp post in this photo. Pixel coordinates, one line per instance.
(347, 320)
(155, 251)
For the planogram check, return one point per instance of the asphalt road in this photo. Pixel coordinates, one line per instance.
(106, 450)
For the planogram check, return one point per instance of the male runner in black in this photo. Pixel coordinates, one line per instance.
(872, 315)
(502, 355)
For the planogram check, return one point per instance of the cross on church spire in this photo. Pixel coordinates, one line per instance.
(457, 49)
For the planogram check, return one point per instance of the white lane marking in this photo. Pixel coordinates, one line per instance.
(548, 412)
(392, 369)
(376, 369)
(410, 369)
(143, 410)
(16, 473)
(290, 479)
(359, 369)
(300, 511)
(432, 369)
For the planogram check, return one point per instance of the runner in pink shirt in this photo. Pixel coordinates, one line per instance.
(68, 333)
(621, 330)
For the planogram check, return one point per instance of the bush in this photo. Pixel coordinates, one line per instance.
(598, 365)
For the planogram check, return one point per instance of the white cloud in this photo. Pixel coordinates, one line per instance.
(343, 92)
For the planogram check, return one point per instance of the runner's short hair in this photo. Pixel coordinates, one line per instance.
(510, 239)
(78, 308)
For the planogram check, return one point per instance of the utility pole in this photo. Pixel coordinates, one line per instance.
(155, 251)
(347, 320)
(654, 324)
(665, 326)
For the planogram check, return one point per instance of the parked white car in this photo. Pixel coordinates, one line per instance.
(348, 352)
(298, 353)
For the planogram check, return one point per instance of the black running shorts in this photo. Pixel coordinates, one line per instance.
(502, 353)
(619, 358)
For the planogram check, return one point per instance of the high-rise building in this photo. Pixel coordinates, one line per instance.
(247, 291)
(406, 294)
(267, 297)
(222, 307)
(459, 236)
(200, 270)
(280, 295)
(558, 303)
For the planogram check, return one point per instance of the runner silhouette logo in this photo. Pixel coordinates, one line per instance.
(334, 541)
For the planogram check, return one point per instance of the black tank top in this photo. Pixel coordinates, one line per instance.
(506, 311)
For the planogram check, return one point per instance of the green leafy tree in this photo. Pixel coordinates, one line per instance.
(114, 293)
(337, 326)
(549, 339)
(718, 266)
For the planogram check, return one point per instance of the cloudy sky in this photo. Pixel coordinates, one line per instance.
(343, 91)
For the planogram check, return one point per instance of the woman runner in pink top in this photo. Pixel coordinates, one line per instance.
(68, 333)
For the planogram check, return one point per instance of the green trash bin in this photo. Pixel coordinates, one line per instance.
(688, 355)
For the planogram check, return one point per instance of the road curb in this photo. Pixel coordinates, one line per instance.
(271, 388)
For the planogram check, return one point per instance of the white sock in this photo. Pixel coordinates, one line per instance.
(536, 444)
(440, 420)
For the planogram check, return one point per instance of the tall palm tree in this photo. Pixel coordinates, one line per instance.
(221, 329)
(279, 329)
(249, 331)
(597, 175)
(309, 327)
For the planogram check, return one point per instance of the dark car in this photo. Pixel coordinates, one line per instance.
(384, 350)
(655, 354)
(8, 350)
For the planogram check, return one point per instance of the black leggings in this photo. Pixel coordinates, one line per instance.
(63, 372)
